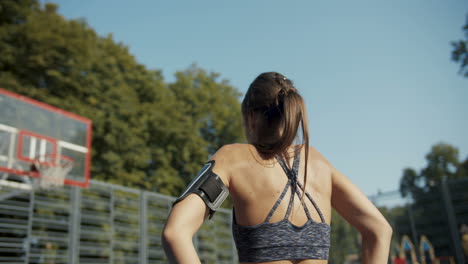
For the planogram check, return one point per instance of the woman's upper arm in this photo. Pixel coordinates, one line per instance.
(354, 206)
(189, 214)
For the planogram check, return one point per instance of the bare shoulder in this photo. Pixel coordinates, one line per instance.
(230, 152)
(227, 157)
(320, 171)
(314, 154)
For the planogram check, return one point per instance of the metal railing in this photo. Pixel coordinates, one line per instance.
(437, 215)
(104, 223)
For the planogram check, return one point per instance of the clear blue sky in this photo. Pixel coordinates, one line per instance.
(376, 75)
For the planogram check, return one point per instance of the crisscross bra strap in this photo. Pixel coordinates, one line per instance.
(278, 201)
(294, 183)
(292, 175)
(289, 183)
(313, 203)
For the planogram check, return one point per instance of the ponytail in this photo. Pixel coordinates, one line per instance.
(279, 111)
(295, 116)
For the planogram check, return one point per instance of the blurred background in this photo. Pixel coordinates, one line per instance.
(385, 83)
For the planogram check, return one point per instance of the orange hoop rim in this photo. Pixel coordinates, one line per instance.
(53, 163)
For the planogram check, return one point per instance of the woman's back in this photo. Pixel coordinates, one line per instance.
(256, 186)
(270, 224)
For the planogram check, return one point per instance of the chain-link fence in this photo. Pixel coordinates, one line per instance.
(430, 227)
(107, 223)
(104, 223)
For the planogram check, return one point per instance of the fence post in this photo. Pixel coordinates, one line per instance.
(111, 224)
(143, 254)
(196, 243)
(74, 225)
(452, 221)
(414, 233)
(30, 222)
(215, 237)
(233, 243)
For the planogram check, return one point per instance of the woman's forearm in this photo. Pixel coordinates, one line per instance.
(180, 250)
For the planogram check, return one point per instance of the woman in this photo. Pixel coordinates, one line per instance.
(270, 225)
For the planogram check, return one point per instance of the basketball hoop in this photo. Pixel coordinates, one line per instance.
(52, 170)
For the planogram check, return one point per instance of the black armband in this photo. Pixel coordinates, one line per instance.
(209, 187)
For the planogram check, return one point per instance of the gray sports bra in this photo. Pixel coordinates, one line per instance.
(283, 240)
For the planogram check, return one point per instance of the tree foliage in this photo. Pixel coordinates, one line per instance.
(426, 214)
(442, 162)
(442, 181)
(344, 240)
(146, 133)
(460, 51)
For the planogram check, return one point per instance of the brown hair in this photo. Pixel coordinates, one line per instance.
(273, 111)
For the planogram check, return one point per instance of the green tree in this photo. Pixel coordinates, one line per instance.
(409, 182)
(344, 240)
(213, 115)
(425, 215)
(442, 161)
(462, 170)
(460, 51)
(64, 63)
(146, 133)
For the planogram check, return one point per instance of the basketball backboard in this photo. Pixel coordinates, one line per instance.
(33, 133)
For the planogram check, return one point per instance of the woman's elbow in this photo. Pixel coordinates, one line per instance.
(378, 229)
(168, 235)
(386, 230)
(169, 241)
(174, 234)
